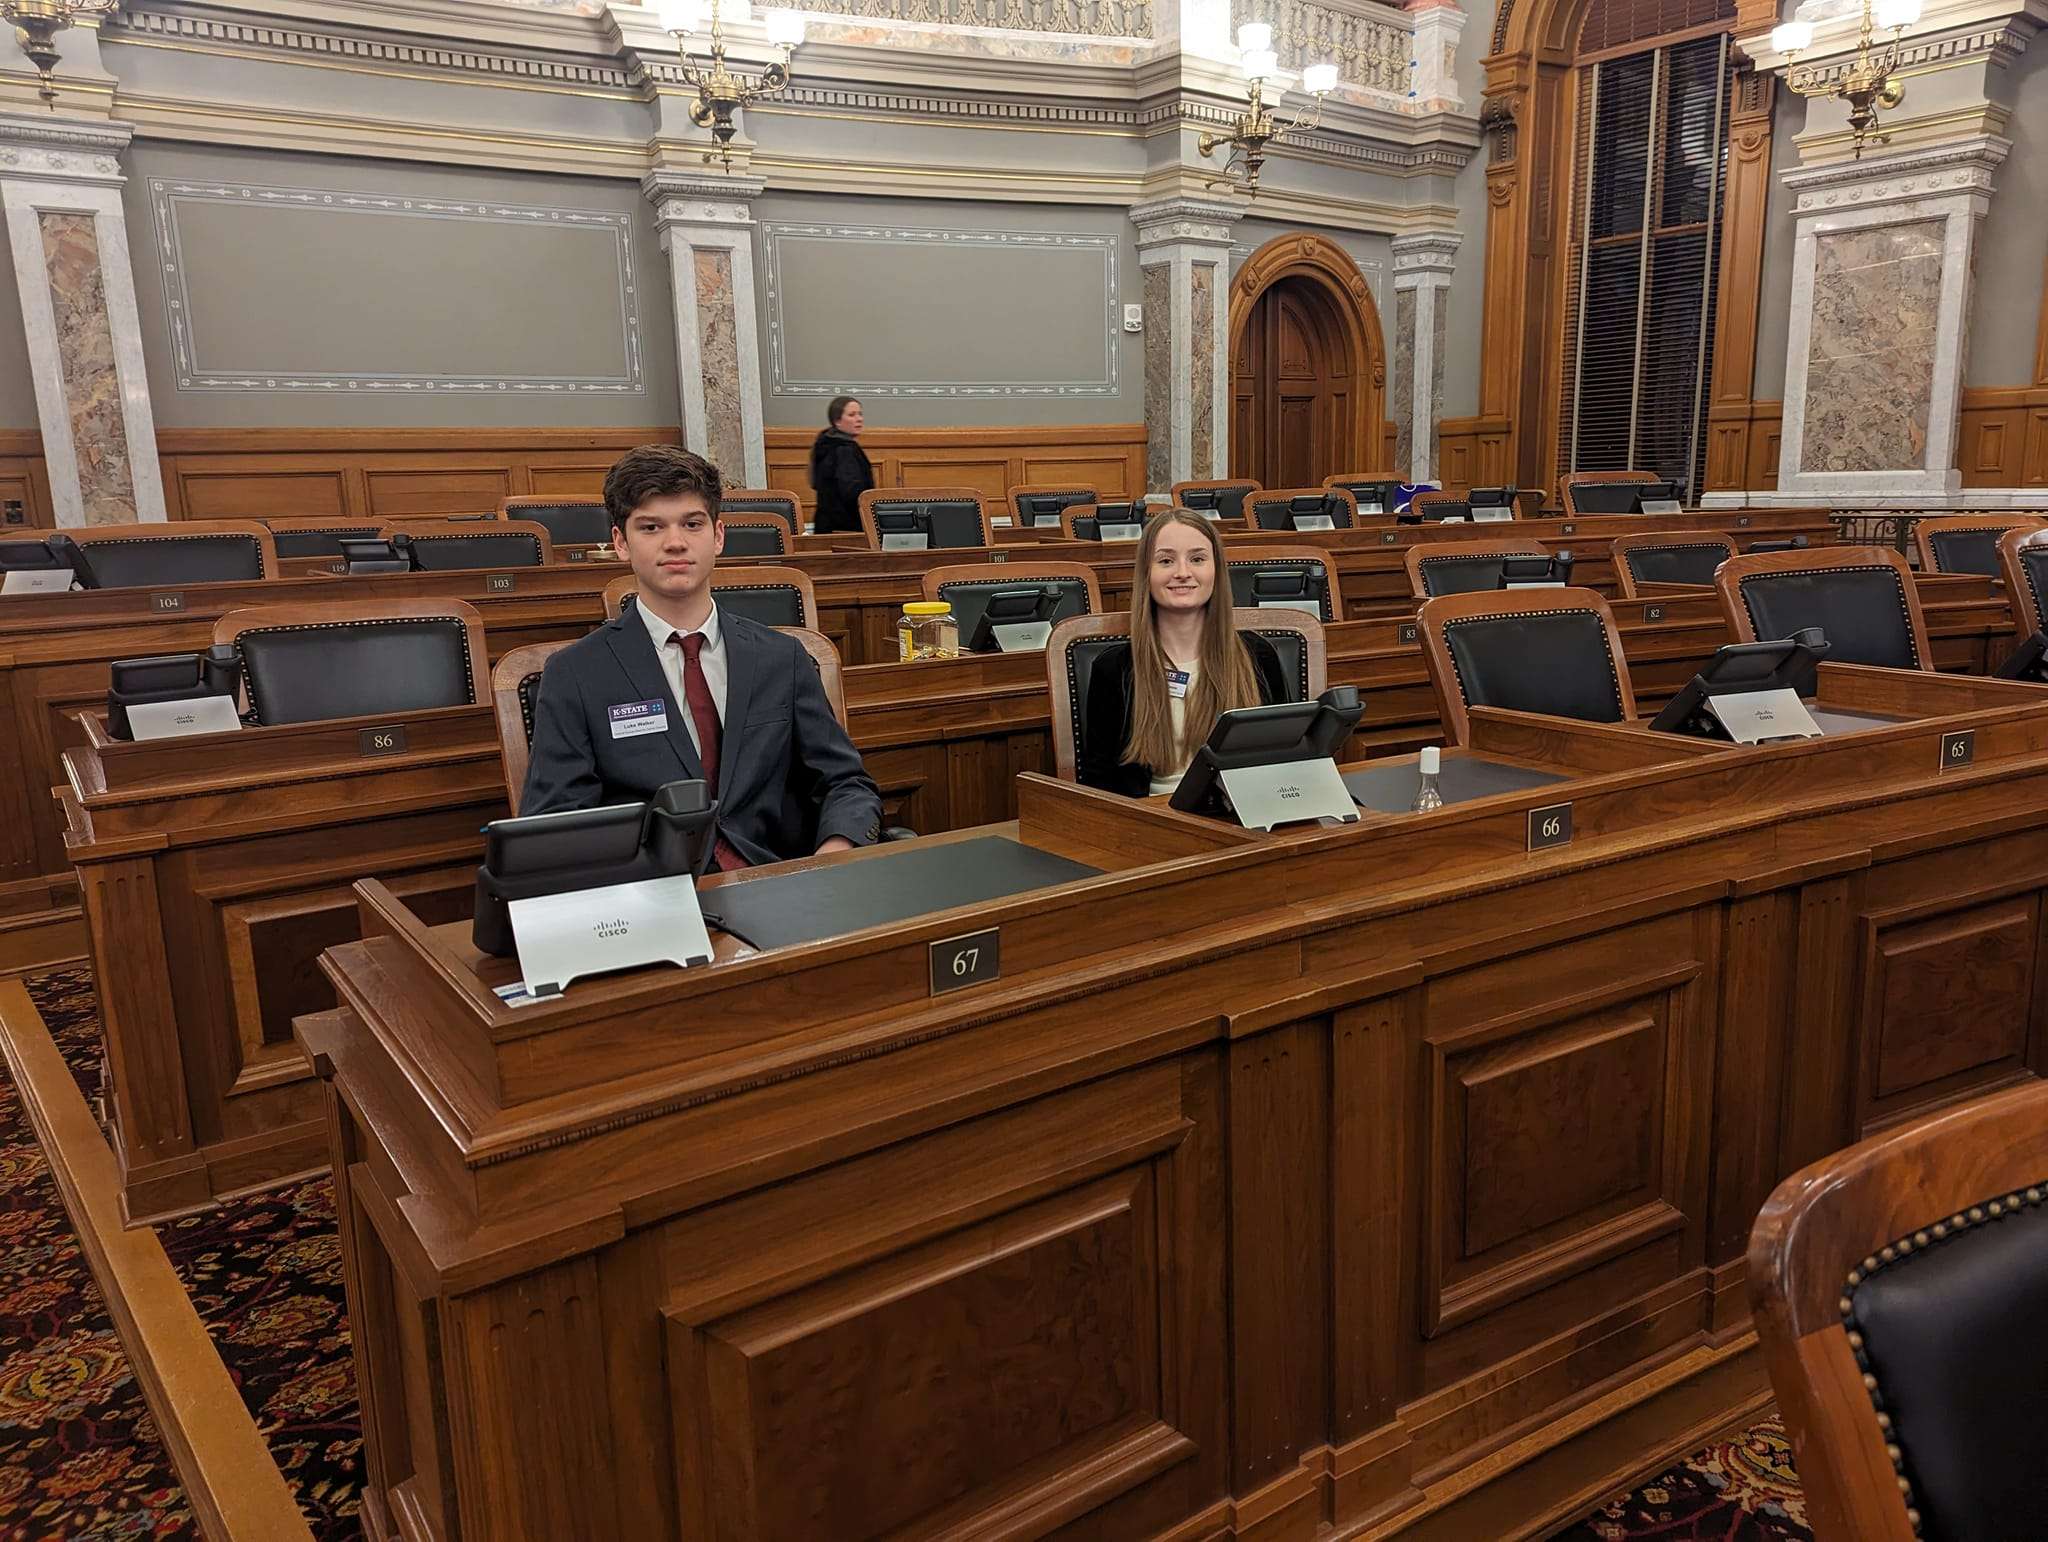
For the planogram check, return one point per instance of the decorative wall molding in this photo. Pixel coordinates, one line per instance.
(167, 195)
(50, 149)
(1373, 46)
(781, 383)
(1126, 19)
(1908, 174)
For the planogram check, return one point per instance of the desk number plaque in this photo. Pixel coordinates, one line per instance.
(975, 959)
(388, 740)
(1958, 749)
(1550, 826)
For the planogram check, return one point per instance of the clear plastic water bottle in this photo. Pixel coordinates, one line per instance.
(1426, 795)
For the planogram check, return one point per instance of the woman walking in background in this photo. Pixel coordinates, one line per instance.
(840, 470)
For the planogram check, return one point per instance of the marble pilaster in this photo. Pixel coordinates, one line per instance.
(1881, 269)
(1422, 281)
(1184, 257)
(60, 186)
(707, 230)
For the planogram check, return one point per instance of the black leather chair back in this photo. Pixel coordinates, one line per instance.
(1279, 513)
(2034, 564)
(529, 697)
(969, 598)
(1084, 655)
(1689, 562)
(1966, 551)
(769, 604)
(1228, 502)
(783, 506)
(1365, 494)
(157, 561)
(954, 521)
(576, 523)
(324, 542)
(1032, 509)
(1253, 584)
(1553, 661)
(1459, 575)
(446, 553)
(1952, 1333)
(335, 669)
(756, 541)
(1862, 611)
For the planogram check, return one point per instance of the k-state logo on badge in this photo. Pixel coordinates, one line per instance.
(633, 718)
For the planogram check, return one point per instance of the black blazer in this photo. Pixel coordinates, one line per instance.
(788, 777)
(1106, 725)
(841, 472)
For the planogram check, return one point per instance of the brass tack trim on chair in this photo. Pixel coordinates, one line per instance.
(1899, 1252)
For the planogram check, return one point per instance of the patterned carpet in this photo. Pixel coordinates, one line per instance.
(80, 1460)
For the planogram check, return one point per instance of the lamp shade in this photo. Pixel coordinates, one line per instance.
(1895, 14)
(785, 28)
(1254, 37)
(1318, 79)
(1261, 64)
(1792, 37)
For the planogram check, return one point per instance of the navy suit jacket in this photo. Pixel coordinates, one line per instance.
(788, 777)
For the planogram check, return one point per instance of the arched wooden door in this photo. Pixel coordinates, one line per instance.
(1307, 366)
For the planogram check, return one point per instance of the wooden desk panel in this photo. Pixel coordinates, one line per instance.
(1279, 1183)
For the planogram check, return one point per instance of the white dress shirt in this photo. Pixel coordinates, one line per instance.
(711, 656)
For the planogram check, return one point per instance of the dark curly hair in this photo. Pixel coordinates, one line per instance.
(659, 471)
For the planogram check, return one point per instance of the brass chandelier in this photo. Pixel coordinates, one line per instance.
(721, 89)
(36, 25)
(1258, 125)
(1871, 85)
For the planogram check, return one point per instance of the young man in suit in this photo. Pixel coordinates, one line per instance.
(674, 688)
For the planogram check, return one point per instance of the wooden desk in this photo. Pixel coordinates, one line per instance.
(1394, 1175)
(212, 872)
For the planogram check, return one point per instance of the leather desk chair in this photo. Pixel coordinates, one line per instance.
(568, 521)
(1897, 1290)
(1360, 483)
(763, 500)
(1224, 496)
(773, 596)
(1673, 557)
(1554, 651)
(1460, 567)
(1084, 521)
(515, 688)
(1246, 564)
(1035, 503)
(1861, 597)
(755, 535)
(1439, 505)
(303, 536)
(958, 515)
(2023, 563)
(448, 545)
(355, 658)
(966, 586)
(1077, 644)
(1274, 509)
(1968, 543)
(1574, 480)
(178, 552)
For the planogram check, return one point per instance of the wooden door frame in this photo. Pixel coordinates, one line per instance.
(1329, 269)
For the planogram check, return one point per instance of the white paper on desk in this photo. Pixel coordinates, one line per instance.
(563, 937)
(36, 581)
(176, 719)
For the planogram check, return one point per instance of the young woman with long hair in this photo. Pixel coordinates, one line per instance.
(840, 469)
(1152, 704)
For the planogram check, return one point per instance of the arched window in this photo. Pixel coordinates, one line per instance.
(1649, 182)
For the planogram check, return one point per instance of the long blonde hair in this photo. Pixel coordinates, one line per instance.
(1225, 678)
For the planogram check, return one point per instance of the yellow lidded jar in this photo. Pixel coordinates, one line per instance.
(927, 630)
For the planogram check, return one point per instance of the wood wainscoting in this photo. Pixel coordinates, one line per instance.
(1110, 457)
(1743, 439)
(24, 481)
(1472, 452)
(382, 473)
(2003, 437)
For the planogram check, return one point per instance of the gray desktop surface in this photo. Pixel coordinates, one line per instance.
(899, 883)
(1390, 789)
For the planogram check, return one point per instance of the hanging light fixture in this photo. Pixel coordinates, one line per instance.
(1871, 85)
(36, 25)
(1258, 126)
(721, 89)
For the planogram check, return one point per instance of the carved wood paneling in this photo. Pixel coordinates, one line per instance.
(2002, 437)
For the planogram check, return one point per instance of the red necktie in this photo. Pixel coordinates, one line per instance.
(704, 713)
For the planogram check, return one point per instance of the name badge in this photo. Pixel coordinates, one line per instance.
(1177, 683)
(634, 718)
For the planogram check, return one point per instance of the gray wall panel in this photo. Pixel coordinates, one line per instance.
(17, 385)
(2005, 304)
(1774, 283)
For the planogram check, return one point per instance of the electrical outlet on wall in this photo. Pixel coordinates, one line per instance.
(1134, 318)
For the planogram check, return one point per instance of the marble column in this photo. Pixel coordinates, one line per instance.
(707, 229)
(1422, 284)
(1881, 267)
(60, 184)
(1184, 266)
